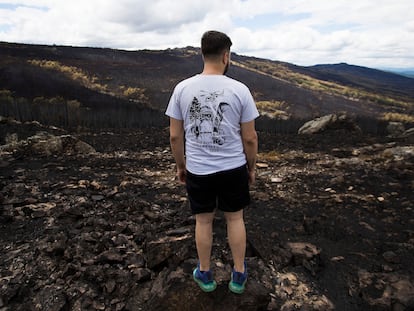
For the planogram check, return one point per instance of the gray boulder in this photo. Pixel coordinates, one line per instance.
(46, 144)
(408, 135)
(330, 121)
(395, 129)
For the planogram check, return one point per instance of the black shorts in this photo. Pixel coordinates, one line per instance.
(226, 190)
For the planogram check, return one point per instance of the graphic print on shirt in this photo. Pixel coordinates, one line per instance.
(206, 116)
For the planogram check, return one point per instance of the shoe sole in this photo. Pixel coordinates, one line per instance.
(237, 289)
(205, 288)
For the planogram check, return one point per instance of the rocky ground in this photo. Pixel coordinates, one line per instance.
(331, 226)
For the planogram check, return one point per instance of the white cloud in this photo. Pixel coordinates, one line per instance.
(375, 33)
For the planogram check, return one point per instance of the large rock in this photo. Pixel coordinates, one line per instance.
(395, 129)
(330, 121)
(386, 291)
(46, 144)
(408, 135)
(398, 153)
(176, 290)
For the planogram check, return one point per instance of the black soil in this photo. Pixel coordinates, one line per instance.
(330, 227)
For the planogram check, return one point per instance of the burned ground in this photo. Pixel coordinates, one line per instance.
(331, 226)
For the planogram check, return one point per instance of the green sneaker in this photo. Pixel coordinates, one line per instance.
(238, 281)
(204, 279)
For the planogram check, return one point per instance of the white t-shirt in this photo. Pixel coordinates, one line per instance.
(212, 108)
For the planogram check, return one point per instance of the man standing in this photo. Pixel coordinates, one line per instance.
(214, 143)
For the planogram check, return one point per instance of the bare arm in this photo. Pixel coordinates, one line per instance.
(177, 147)
(250, 145)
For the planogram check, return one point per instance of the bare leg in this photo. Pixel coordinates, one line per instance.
(236, 233)
(204, 238)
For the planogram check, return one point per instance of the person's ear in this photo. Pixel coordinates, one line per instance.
(226, 57)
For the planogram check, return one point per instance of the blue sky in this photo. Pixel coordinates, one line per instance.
(372, 33)
(13, 6)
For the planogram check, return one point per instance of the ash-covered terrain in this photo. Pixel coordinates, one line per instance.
(97, 221)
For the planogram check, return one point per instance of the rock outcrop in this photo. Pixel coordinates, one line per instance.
(395, 129)
(46, 144)
(331, 121)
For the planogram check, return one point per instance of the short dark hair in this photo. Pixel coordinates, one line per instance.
(213, 43)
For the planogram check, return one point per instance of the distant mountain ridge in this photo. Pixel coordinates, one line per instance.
(101, 78)
(406, 72)
(368, 78)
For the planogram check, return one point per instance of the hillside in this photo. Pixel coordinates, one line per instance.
(92, 81)
(370, 79)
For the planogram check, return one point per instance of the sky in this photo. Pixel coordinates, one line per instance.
(371, 33)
